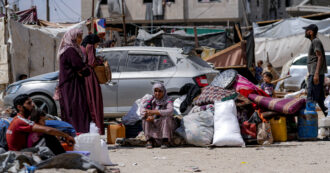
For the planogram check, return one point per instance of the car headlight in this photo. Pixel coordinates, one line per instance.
(13, 89)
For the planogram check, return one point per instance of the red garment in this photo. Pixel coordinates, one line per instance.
(18, 132)
(245, 87)
(93, 89)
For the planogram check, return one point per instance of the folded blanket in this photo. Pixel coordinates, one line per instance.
(286, 106)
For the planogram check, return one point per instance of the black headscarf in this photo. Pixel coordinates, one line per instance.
(90, 39)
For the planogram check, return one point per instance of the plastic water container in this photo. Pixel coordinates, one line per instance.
(279, 130)
(308, 122)
(115, 131)
(89, 142)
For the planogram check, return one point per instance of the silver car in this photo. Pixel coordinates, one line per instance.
(298, 71)
(134, 71)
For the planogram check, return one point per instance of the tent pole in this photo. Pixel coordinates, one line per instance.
(47, 10)
(196, 37)
(124, 21)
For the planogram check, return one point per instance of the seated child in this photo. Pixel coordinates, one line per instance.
(38, 117)
(267, 86)
(40, 139)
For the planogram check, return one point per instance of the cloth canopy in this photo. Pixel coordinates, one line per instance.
(285, 40)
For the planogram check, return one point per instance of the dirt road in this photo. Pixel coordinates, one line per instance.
(283, 157)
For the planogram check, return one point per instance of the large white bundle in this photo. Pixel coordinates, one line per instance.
(226, 128)
(197, 128)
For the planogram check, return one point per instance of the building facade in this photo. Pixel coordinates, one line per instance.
(173, 11)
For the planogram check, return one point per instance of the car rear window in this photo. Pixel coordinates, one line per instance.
(198, 60)
(113, 58)
(138, 62)
(165, 62)
(328, 59)
(301, 61)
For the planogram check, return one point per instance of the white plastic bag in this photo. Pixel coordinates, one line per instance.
(104, 155)
(92, 142)
(177, 103)
(327, 101)
(93, 128)
(142, 103)
(226, 128)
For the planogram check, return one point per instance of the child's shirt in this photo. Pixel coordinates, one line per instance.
(268, 88)
(259, 73)
(33, 139)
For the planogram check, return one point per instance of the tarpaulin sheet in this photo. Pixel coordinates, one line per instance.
(34, 48)
(250, 46)
(213, 40)
(230, 57)
(281, 50)
(285, 40)
(28, 16)
(4, 78)
(289, 27)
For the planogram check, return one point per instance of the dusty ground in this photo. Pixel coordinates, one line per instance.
(284, 157)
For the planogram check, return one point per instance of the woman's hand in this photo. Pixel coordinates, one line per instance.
(153, 112)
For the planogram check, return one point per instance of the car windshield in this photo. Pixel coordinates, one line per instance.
(198, 61)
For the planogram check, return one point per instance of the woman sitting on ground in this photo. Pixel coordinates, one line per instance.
(158, 122)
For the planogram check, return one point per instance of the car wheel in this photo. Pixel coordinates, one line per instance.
(45, 104)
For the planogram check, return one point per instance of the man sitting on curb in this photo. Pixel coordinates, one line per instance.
(20, 127)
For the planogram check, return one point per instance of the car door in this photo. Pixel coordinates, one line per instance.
(110, 89)
(298, 72)
(142, 70)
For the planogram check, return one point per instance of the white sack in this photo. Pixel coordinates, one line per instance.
(197, 128)
(226, 128)
(92, 142)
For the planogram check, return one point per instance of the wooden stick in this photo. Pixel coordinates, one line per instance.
(238, 32)
(196, 37)
(275, 81)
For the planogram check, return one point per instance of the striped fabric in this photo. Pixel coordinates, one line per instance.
(286, 106)
(210, 94)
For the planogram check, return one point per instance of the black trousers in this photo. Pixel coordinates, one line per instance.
(53, 144)
(316, 93)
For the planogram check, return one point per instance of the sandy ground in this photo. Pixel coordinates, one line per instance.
(281, 157)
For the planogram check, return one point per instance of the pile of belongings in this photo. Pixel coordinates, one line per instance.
(231, 111)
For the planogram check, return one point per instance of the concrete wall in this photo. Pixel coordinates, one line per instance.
(214, 10)
(86, 9)
(266, 11)
(136, 10)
